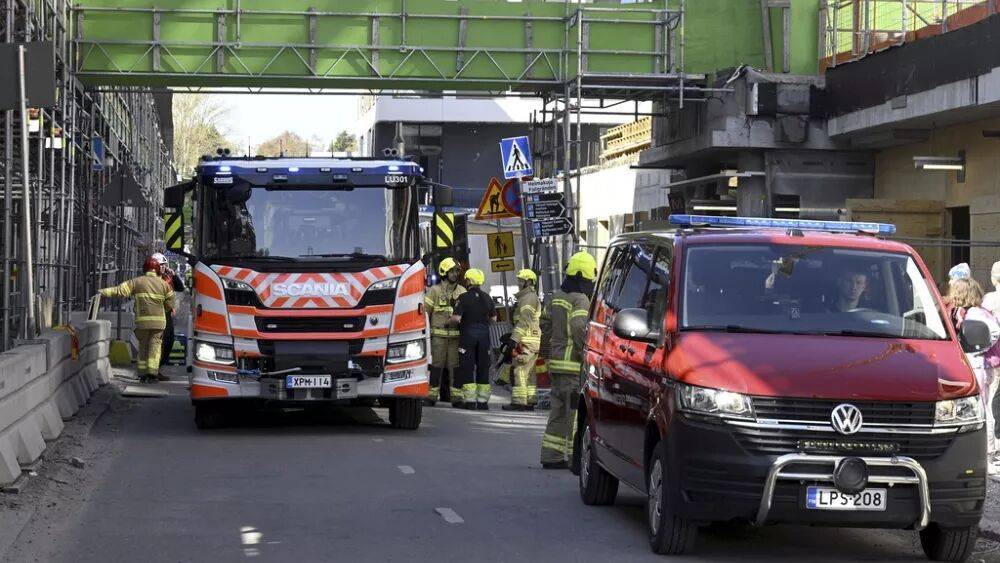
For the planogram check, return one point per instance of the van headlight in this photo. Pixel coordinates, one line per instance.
(714, 402)
(967, 410)
(405, 352)
(214, 353)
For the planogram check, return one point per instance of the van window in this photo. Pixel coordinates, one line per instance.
(609, 275)
(807, 290)
(637, 265)
(655, 299)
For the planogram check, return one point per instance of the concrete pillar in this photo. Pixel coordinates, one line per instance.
(752, 197)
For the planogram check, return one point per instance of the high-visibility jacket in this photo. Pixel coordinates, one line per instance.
(527, 313)
(153, 297)
(564, 323)
(440, 304)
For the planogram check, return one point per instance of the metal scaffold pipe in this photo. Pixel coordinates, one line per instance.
(27, 273)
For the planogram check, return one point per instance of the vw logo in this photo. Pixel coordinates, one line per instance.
(846, 419)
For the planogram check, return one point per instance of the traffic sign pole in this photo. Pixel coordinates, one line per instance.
(503, 280)
(525, 238)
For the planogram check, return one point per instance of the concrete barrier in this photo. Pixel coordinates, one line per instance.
(41, 385)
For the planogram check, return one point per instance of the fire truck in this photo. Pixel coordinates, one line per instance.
(308, 283)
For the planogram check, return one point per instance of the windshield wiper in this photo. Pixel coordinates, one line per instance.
(358, 255)
(255, 257)
(855, 333)
(736, 328)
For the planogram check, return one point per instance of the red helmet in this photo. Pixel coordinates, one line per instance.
(154, 262)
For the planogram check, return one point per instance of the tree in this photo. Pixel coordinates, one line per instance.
(286, 143)
(345, 142)
(199, 128)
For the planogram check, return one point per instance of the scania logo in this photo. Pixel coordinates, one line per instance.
(846, 418)
(310, 289)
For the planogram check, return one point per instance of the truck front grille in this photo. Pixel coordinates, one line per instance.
(309, 324)
(872, 412)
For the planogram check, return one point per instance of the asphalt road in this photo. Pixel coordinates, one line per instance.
(346, 487)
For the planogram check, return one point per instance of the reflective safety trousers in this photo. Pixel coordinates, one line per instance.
(153, 297)
(564, 324)
(440, 304)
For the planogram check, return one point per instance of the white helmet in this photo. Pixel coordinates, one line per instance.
(160, 258)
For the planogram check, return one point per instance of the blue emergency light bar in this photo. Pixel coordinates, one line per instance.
(801, 224)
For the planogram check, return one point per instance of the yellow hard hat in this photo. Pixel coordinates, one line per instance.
(475, 276)
(584, 264)
(527, 275)
(447, 265)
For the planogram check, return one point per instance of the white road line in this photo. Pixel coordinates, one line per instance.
(406, 469)
(378, 440)
(449, 515)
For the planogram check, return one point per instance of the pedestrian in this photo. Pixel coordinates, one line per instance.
(177, 284)
(991, 301)
(153, 298)
(966, 298)
(527, 338)
(440, 303)
(473, 313)
(564, 324)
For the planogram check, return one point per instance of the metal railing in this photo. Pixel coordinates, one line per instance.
(852, 29)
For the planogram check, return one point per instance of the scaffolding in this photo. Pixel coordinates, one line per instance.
(75, 244)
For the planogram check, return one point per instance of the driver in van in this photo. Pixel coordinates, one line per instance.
(851, 285)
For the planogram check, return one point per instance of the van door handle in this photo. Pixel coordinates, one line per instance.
(627, 349)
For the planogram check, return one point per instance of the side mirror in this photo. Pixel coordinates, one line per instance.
(239, 194)
(174, 195)
(633, 324)
(974, 336)
(442, 196)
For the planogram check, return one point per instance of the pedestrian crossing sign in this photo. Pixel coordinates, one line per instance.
(515, 155)
(492, 206)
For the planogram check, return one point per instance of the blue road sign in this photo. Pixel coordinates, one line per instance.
(97, 154)
(515, 157)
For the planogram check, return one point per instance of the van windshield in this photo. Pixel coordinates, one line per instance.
(808, 290)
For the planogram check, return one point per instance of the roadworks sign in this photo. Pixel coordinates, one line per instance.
(492, 207)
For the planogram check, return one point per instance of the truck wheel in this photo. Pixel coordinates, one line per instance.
(668, 534)
(405, 414)
(948, 544)
(597, 486)
(207, 417)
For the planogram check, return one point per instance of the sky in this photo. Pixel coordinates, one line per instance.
(258, 117)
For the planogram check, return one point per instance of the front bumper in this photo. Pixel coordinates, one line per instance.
(719, 480)
(405, 380)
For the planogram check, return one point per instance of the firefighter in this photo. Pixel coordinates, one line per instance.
(177, 284)
(564, 322)
(527, 337)
(473, 313)
(153, 300)
(440, 302)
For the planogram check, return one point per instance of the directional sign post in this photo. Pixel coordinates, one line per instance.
(545, 206)
(551, 227)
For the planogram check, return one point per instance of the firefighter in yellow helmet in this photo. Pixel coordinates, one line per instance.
(439, 301)
(564, 323)
(154, 300)
(527, 337)
(473, 313)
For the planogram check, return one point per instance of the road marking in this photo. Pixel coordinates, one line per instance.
(449, 515)
(377, 440)
(406, 469)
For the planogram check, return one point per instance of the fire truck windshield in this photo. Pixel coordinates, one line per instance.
(310, 223)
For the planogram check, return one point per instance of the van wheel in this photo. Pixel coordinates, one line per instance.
(597, 486)
(207, 417)
(948, 544)
(668, 534)
(405, 414)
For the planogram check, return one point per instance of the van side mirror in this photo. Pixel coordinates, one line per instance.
(633, 324)
(974, 336)
(442, 196)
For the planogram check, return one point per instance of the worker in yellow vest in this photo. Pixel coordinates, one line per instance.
(439, 301)
(154, 300)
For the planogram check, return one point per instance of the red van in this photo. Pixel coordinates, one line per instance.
(780, 371)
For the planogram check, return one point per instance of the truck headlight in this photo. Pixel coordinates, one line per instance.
(214, 353)
(715, 402)
(237, 285)
(405, 352)
(384, 284)
(967, 410)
